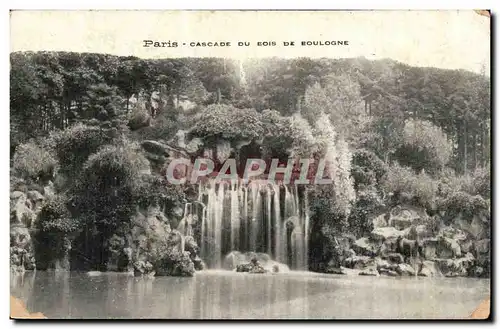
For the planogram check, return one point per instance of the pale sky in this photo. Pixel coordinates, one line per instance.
(445, 39)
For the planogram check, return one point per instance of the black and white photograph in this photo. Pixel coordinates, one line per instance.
(299, 165)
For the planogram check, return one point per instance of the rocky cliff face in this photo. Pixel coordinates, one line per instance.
(406, 241)
(25, 203)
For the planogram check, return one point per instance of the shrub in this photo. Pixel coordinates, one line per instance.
(465, 203)
(368, 164)
(74, 145)
(55, 229)
(33, 162)
(368, 203)
(107, 190)
(228, 122)
(424, 146)
(406, 186)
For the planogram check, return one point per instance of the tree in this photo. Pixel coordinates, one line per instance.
(343, 182)
(424, 146)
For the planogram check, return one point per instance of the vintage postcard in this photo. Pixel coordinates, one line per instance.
(250, 164)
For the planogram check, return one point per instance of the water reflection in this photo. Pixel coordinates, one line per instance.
(227, 295)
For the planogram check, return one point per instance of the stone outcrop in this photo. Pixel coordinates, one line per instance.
(405, 241)
(24, 208)
(152, 247)
(252, 262)
(21, 248)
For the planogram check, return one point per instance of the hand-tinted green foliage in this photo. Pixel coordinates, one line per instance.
(33, 162)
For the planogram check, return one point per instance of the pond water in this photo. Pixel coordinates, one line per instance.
(231, 295)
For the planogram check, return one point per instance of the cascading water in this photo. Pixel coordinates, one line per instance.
(260, 216)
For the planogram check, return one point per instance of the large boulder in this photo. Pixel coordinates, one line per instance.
(21, 209)
(395, 258)
(456, 267)
(369, 271)
(175, 263)
(483, 257)
(236, 258)
(478, 226)
(380, 221)
(405, 270)
(191, 246)
(381, 234)
(143, 268)
(21, 249)
(365, 247)
(464, 239)
(418, 232)
(403, 216)
(429, 248)
(429, 269)
(447, 248)
(358, 262)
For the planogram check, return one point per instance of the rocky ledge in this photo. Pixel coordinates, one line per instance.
(407, 242)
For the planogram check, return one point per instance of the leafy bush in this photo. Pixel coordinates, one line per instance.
(476, 183)
(107, 191)
(304, 143)
(279, 134)
(154, 190)
(74, 145)
(425, 146)
(367, 168)
(465, 203)
(55, 217)
(406, 186)
(34, 162)
(55, 229)
(482, 181)
(368, 203)
(228, 122)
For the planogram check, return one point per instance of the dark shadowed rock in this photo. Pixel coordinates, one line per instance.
(365, 247)
(358, 262)
(155, 147)
(447, 248)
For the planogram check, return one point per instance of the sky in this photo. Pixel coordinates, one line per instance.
(446, 39)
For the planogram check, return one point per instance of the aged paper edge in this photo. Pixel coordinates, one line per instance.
(18, 311)
(483, 311)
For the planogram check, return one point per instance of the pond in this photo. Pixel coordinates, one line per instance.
(231, 295)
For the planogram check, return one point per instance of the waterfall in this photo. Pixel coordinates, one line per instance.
(259, 216)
